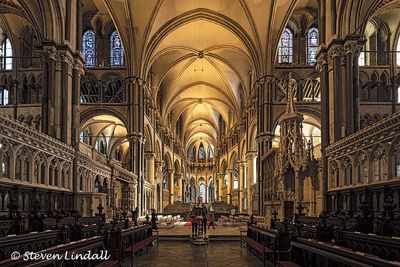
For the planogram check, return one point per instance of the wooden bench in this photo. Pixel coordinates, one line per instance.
(264, 249)
(324, 254)
(136, 247)
(76, 247)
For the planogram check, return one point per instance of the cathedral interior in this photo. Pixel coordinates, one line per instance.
(129, 126)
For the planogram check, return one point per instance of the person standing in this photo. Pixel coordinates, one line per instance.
(153, 219)
(193, 217)
(212, 220)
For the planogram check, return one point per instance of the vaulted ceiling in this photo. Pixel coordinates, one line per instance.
(203, 55)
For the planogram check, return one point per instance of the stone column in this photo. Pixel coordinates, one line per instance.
(229, 172)
(335, 95)
(159, 177)
(51, 89)
(49, 57)
(264, 130)
(45, 97)
(66, 92)
(58, 97)
(79, 25)
(242, 173)
(171, 173)
(250, 178)
(356, 86)
(322, 67)
(180, 185)
(150, 157)
(135, 87)
(220, 184)
(350, 48)
(77, 72)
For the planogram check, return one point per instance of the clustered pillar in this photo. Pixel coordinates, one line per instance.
(135, 87)
(171, 173)
(264, 130)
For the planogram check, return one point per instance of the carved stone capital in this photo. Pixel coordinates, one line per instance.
(335, 51)
(66, 58)
(51, 52)
(350, 47)
(136, 137)
(321, 61)
(264, 137)
(134, 80)
(149, 155)
(242, 164)
(79, 66)
(251, 154)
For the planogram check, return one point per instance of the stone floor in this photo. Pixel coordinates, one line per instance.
(187, 230)
(184, 254)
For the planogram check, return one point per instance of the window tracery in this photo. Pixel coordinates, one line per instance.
(285, 50)
(6, 54)
(116, 50)
(202, 153)
(312, 46)
(89, 48)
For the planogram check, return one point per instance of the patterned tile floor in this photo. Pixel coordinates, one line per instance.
(184, 254)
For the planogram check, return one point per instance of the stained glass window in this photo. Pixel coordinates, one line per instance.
(312, 46)
(201, 152)
(6, 54)
(285, 51)
(116, 50)
(89, 48)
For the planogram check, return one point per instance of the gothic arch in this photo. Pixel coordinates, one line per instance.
(168, 161)
(90, 113)
(149, 146)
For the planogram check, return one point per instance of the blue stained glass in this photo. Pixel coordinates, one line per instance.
(285, 50)
(116, 50)
(201, 152)
(312, 46)
(88, 48)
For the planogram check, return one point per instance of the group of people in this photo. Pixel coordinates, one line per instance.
(199, 217)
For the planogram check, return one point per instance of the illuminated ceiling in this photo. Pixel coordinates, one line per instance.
(204, 55)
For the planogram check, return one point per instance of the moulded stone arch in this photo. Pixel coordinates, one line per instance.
(167, 161)
(149, 146)
(90, 113)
